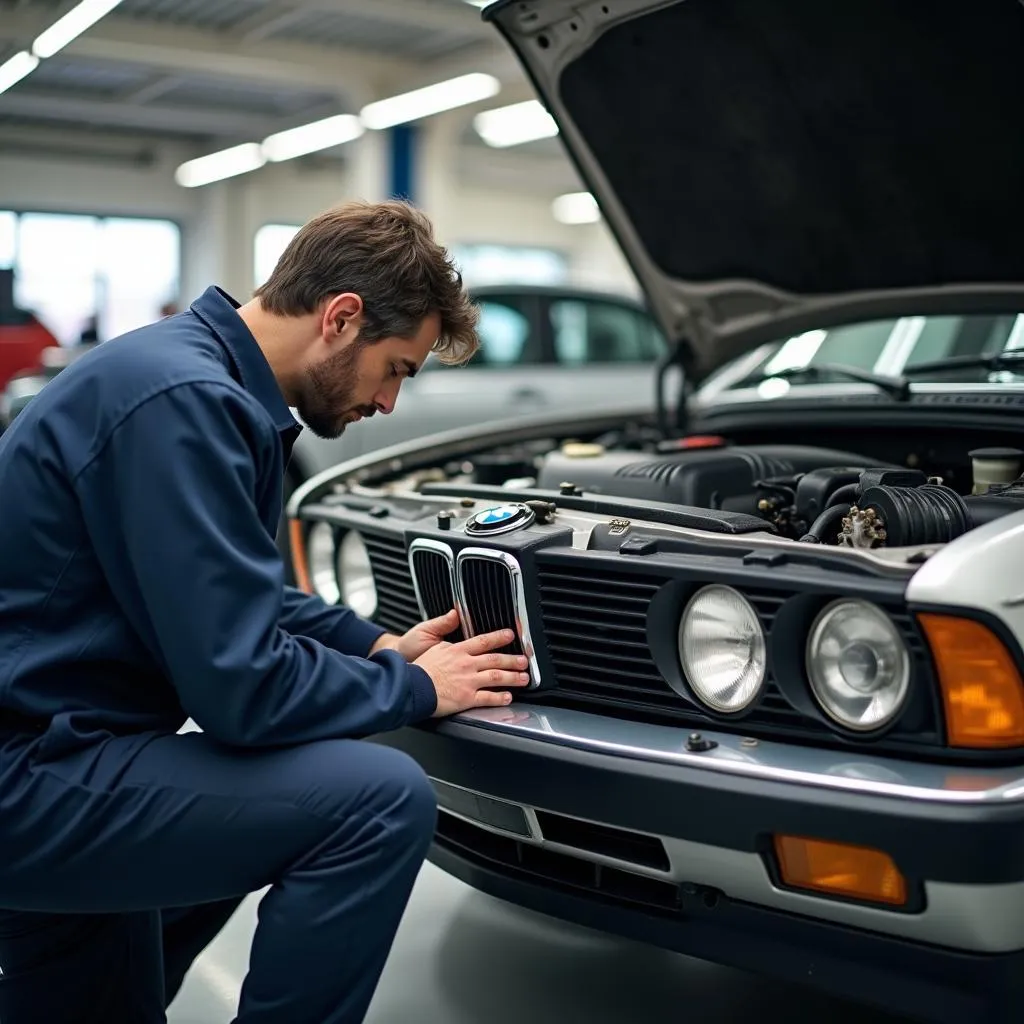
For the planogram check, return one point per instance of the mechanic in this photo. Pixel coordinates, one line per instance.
(141, 585)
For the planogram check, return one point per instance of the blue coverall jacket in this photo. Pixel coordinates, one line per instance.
(140, 581)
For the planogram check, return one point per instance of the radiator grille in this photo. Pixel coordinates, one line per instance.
(488, 591)
(596, 633)
(433, 573)
(397, 607)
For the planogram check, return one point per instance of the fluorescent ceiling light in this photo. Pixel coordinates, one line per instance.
(309, 138)
(432, 99)
(217, 166)
(576, 208)
(15, 69)
(515, 124)
(71, 26)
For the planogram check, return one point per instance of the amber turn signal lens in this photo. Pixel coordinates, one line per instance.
(837, 869)
(298, 546)
(981, 686)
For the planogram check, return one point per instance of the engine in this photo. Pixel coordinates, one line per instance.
(808, 494)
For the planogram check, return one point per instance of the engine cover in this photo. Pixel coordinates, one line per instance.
(715, 478)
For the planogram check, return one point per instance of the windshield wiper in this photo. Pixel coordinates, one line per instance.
(996, 361)
(897, 387)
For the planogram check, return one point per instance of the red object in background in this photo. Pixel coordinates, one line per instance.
(21, 348)
(703, 441)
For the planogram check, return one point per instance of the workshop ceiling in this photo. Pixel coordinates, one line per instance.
(215, 72)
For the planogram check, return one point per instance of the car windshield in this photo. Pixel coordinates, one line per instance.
(893, 348)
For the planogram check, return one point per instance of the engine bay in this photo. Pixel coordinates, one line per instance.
(803, 493)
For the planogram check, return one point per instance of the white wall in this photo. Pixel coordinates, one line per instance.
(472, 197)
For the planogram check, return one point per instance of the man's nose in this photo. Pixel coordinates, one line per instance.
(387, 399)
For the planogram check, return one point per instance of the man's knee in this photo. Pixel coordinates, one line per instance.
(404, 796)
(354, 781)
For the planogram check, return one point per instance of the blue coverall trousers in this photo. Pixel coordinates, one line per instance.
(119, 864)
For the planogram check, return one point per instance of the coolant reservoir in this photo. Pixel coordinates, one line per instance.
(582, 450)
(991, 466)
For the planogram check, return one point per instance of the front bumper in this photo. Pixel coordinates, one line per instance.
(690, 870)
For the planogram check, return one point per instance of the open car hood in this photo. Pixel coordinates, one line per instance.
(771, 166)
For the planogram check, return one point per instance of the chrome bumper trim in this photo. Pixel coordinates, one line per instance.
(764, 760)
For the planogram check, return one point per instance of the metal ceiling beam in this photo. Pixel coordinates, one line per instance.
(157, 86)
(273, 18)
(194, 122)
(192, 51)
(424, 14)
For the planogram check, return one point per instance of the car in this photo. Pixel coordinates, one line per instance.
(774, 617)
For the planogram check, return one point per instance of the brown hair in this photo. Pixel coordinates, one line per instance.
(385, 253)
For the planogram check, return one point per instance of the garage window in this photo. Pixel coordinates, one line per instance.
(269, 244)
(77, 272)
(8, 228)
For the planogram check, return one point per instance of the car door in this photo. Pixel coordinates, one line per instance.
(604, 352)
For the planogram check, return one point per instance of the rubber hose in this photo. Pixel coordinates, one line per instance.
(828, 520)
(846, 494)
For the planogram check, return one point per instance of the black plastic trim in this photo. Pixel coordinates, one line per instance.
(924, 983)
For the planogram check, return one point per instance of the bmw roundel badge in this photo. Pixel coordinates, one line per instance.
(500, 519)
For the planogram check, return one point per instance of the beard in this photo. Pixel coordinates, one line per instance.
(328, 401)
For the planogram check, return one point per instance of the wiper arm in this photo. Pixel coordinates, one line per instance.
(995, 361)
(897, 387)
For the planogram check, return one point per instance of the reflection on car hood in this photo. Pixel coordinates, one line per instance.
(770, 166)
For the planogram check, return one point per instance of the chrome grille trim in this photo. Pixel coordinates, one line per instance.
(516, 595)
(443, 552)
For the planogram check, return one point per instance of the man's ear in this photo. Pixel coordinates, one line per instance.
(341, 313)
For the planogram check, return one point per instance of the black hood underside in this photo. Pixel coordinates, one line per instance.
(761, 155)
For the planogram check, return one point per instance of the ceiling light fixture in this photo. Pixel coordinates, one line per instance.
(576, 208)
(228, 163)
(310, 138)
(16, 68)
(430, 100)
(81, 17)
(515, 124)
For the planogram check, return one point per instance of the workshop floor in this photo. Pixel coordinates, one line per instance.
(461, 958)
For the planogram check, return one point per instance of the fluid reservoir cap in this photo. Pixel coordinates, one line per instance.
(581, 450)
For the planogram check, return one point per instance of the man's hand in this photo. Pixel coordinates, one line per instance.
(421, 638)
(464, 673)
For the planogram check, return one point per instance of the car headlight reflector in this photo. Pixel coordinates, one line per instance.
(858, 665)
(722, 649)
(320, 559)
(357, 586)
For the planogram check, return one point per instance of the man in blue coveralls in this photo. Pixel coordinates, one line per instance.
(141, 585)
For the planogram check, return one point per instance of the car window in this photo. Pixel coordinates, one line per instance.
(858, 345)
(506, 334)
(893, 346)
(592, 331)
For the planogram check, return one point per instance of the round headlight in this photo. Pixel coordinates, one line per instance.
(722, 648)
(858, 665)
(355, 576)
(320, 558)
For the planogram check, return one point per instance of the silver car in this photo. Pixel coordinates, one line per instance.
(775, 629)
